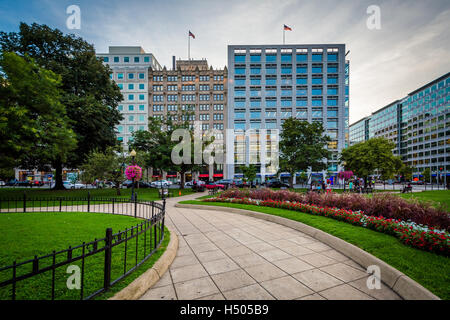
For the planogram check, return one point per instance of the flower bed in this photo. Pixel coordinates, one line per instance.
(379, 205)
(410, 233)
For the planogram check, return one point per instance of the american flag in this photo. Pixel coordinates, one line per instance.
(191, 34)
(287, 28)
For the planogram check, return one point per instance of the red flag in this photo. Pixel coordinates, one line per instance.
(191, 34)
(287, 28)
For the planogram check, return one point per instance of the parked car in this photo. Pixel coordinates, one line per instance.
(2, 183)
(191, 183)
(160, 184)
(214, 185)
(226, 182)
(275, 183)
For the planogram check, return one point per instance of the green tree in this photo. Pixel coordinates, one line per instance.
(249, 172)
(426, 175)
(88, 94)
(157, 143)
(302, 146)
(33, 122)
(371, 156)
(105, 165)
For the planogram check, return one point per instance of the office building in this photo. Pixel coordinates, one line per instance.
(194, 87)
(418, 124)
(130, 67)
(270, 83)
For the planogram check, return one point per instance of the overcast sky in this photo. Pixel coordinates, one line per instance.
(411, 48)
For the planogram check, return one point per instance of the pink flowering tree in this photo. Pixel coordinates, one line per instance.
(133, 172)
(345, 175)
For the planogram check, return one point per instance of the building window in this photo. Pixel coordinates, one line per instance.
(146, 59)
(131, 97)
(141, 75)
(116, 59)
(120, 76)
(130, 86)
(131, 76)
(130, 107)
(141, 97)
(141, 107)
(141, 86)
(126, 59)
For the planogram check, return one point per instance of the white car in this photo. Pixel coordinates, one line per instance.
(2, 183)
(190, 183)
(160, 184)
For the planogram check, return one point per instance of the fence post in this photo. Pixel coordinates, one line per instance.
(60, 204)
(108, 250)
(135, 205)
(24, 201)
(89, 201)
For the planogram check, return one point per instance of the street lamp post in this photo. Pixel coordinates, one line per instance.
(133, 155)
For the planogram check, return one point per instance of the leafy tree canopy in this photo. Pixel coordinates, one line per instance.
(302, 146)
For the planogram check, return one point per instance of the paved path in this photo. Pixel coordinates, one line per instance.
(229, 256)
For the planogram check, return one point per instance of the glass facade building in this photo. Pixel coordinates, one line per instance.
(419, 125)
(270, 83)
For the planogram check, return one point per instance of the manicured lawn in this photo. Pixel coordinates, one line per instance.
(430, 270)
(437, 196)
(27, 234)
(18, 193)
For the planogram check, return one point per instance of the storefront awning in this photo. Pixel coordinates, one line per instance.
(204, 175)
(218, 175)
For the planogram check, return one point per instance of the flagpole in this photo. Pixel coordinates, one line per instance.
(283, 35)
(189, 47)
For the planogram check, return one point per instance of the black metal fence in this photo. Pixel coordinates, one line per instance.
(86, 270)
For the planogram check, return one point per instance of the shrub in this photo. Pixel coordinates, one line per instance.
(379, 205)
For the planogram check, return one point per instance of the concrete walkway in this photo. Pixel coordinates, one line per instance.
(228, 256)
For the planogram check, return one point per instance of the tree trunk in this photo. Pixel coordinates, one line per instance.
(182, 173)
(59, 185)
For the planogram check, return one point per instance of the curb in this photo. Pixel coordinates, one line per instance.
(146, 280)
(400, 283)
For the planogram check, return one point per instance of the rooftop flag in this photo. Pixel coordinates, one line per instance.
(191, 35)
(287, 28)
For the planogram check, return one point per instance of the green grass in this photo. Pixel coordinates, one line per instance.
(439, 197)
(430, 270)
(26, 235)
(17, 193)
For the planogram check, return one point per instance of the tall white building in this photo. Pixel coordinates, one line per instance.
(130, 67)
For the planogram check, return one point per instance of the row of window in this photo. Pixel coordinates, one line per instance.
(131, 86)
(315, 57)
(272, 91)
(139, 118)
(127, 59)
(272, 113)
(132, 107)
(188, 78)
(141, 97)
(272, 80)
(271, 124)
(303, 69)
(287, 102)
(130, 76)
(130, 128)
(188, 87)
(187, 97)
(174, 107)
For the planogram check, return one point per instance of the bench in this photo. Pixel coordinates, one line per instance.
(407, 189)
